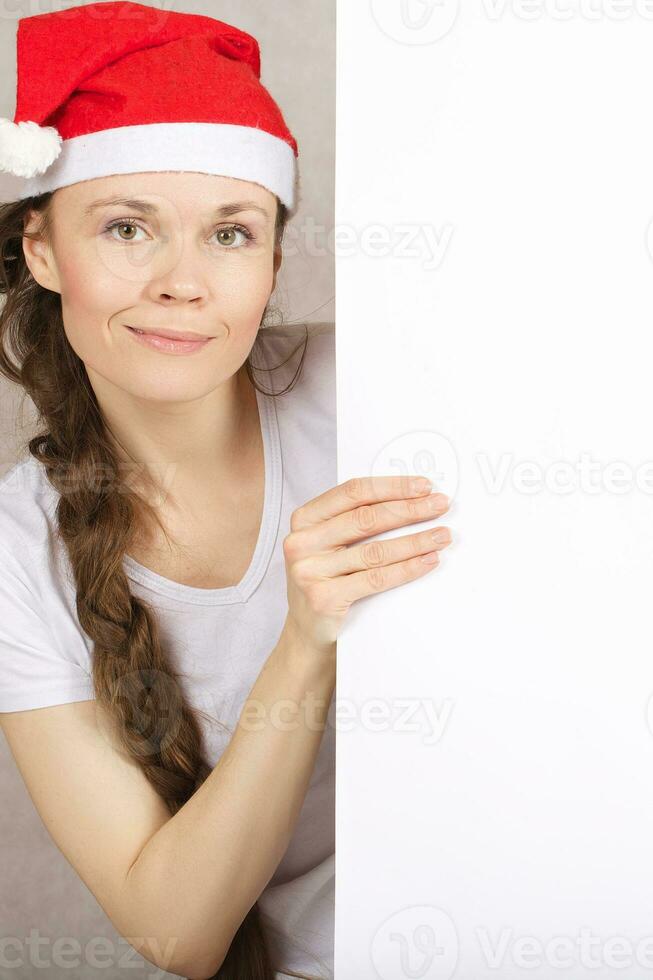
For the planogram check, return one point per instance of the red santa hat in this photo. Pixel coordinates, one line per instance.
(120, 87)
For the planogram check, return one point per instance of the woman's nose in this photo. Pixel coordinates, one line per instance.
(182, 280)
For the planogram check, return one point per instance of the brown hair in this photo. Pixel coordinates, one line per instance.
(98, 515)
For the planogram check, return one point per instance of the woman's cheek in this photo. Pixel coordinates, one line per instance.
(248, 294)
(90, 292)
(86, 311)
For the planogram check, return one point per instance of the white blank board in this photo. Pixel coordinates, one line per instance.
(494, 197)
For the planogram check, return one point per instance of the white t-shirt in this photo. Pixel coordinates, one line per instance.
(219, 639)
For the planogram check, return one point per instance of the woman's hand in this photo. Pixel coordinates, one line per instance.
(327, 569)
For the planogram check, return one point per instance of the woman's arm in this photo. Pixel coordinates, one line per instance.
(200, 873)
(177, 887)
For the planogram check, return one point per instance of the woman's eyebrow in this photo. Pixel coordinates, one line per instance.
(223, 211)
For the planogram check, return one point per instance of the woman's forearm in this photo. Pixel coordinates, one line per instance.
(199, 874)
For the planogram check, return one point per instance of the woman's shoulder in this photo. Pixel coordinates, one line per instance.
(44, 657)
(27, 524)
(27, 504)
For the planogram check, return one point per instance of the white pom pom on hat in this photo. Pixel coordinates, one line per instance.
(27, 149)
(117, 87)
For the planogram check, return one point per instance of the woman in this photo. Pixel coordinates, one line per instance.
(177, 561)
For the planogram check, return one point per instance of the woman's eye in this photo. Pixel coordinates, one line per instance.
(120, 226)
(229, 232)
(225, 236)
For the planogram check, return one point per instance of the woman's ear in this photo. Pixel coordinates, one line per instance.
(39, 257)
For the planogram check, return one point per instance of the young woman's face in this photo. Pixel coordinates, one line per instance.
(170, 257)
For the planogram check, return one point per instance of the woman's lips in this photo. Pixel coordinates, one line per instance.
(167, 344)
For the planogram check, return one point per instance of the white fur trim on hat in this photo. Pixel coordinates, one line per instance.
(243, 152)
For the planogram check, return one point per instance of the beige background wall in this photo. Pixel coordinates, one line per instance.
(38, 888)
